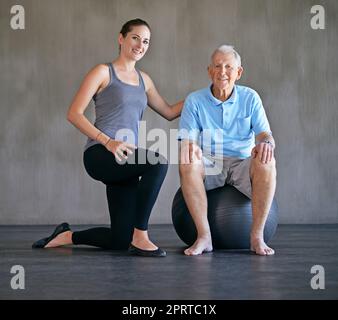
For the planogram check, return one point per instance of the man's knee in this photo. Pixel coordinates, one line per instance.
(260, 169)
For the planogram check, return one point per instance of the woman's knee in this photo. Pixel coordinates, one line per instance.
(162, 168)
(158, 162)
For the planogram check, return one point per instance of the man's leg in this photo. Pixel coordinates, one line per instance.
(195, 197)
(263, 178)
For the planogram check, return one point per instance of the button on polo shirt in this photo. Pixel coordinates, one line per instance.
(226, 128)
(226, 112)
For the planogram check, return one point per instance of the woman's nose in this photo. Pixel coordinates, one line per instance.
(139, 44)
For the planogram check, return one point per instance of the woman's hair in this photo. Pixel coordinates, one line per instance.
(133, 23)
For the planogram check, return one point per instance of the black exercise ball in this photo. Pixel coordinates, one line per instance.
(229, 215)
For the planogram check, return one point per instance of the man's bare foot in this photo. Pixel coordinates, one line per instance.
(201, 245)
(61, 239)
(260, 247)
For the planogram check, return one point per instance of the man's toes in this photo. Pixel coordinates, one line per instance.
(191, 252)
(263, 251)
(188, 252)
(194, 252)
(270, 252)
(260, 251)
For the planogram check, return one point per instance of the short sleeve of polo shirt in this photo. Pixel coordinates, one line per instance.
(189, 126)
(259, 119)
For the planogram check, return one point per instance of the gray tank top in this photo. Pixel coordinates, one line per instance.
(119, 108)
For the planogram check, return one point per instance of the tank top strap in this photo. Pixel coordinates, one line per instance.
(141, 79)
(111, 73)
(113, 76)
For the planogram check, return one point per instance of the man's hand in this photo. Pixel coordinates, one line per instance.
(190, 152)
(264, 152)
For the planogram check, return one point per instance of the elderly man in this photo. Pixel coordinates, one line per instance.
(236, 148)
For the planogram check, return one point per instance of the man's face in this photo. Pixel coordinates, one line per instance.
(224, 71)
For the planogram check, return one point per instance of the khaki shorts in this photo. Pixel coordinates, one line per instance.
(225, 170)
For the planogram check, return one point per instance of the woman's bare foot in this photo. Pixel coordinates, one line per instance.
(201, 245)
(61, 239)
(141, 240)
(260, 247)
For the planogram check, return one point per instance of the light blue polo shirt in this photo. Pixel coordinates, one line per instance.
(224, 128)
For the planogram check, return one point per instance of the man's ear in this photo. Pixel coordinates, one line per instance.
(239, 74)
(209, 72)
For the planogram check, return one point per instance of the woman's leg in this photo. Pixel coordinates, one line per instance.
(122, 217)
(152, 177)
(130, 199)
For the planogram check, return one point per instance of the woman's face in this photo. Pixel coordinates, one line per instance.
(136, 42)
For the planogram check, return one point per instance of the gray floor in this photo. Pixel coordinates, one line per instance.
(90, 273)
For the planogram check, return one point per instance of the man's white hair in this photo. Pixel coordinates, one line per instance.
(226, 48)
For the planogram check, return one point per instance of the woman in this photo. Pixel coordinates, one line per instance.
(121, 93)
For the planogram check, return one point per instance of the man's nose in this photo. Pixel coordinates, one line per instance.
(223, 71)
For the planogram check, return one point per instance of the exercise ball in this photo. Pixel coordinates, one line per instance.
(229, 215)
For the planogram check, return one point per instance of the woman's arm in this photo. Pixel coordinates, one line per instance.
(96, 79)
(158, 104)
(93, 81)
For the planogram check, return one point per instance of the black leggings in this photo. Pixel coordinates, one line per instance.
(131, 188)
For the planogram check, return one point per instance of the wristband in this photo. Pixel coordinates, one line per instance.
(98, 135)
(107, 142)
(268, 142)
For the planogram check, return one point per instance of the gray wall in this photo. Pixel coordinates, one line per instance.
(293, 67)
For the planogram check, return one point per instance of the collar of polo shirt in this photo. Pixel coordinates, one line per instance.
(216, 102)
